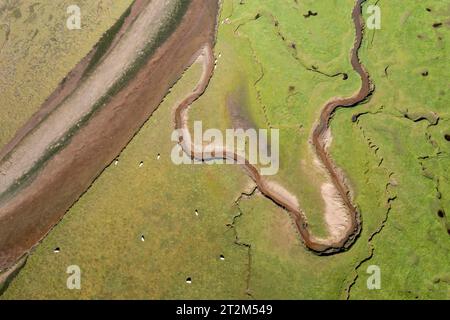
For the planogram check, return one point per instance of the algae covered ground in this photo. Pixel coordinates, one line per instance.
(149, 229)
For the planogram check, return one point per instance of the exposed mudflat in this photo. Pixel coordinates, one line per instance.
(21, 156)
(30, 214)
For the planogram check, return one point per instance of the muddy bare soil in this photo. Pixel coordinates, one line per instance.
(31, 213)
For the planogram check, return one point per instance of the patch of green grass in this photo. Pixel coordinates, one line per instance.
(282, 268)
(412, 248)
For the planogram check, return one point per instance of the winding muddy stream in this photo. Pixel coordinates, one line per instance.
(318, 140)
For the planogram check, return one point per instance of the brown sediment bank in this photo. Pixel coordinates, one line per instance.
(151, 27)
(27, 216)
(68, 84)
(319, 140)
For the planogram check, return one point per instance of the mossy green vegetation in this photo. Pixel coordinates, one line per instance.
(405, 124)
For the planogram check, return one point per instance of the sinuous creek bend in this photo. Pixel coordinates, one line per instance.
(318, 140)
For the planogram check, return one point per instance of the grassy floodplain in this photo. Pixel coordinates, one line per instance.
(397, 168)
